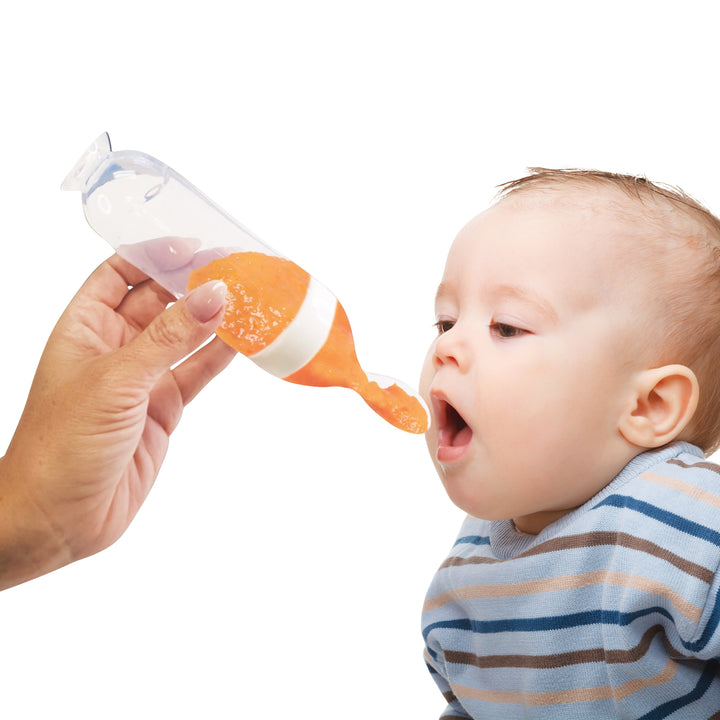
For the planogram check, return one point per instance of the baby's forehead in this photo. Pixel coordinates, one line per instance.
(649, 214)
(633, 228)
(578, 215)
(604, 203)
(561, 234)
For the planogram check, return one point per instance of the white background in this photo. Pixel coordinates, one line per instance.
(279, 566)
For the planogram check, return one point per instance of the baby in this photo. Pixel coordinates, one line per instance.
(575, 391)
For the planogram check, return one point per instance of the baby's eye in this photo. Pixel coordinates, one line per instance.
(443, 326)
(503, 330)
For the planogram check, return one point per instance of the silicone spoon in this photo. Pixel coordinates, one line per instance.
(277, 314)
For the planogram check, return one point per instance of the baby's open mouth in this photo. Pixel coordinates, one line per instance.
(453, 430)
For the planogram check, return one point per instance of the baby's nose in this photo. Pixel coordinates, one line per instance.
(450, 348)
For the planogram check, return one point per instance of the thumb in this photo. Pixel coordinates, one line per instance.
(176, 332)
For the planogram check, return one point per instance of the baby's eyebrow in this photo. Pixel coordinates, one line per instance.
(528, 296)
(442, 292)
(514, 292)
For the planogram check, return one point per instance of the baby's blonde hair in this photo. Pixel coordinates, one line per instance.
(692, 295)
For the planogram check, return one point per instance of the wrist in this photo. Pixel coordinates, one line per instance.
(29, 544)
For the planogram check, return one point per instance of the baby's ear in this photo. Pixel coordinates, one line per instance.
(664, 402)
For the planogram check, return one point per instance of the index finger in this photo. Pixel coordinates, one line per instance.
(110, 282)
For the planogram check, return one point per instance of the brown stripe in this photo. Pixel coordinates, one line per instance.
(704, 465)
(546, 662)
(573, 542)
(448, 695)
(454, 561)
(574, 695)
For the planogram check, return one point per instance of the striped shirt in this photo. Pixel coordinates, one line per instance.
(611, 612)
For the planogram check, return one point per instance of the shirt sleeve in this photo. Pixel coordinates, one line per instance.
(454, 710)
(701, 640)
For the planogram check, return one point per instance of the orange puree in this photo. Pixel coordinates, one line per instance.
(396, 406)
(336, 364)
(264, 295)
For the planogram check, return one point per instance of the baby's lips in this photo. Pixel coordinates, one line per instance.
(441, 411)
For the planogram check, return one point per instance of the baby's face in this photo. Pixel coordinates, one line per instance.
(539, 340)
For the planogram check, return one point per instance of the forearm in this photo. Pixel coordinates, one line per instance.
(29, 546)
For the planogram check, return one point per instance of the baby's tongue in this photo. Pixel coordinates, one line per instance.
(462, 438)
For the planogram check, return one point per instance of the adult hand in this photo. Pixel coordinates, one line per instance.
(108, 392)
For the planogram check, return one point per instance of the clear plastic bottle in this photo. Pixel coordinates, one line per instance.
(277, 314)
(149, 213)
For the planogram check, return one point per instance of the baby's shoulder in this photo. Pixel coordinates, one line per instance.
(666, 524)
(662, 528)
(676, 501)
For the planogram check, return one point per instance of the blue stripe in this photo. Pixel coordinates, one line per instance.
(540, 624)
(684, 525)
(708, 632)
(560, 622)
(668, 708)
(664, 516)
(472, 540)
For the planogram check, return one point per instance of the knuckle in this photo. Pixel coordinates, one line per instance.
(167, 332)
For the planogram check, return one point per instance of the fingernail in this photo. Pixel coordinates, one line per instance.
(207, 300)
